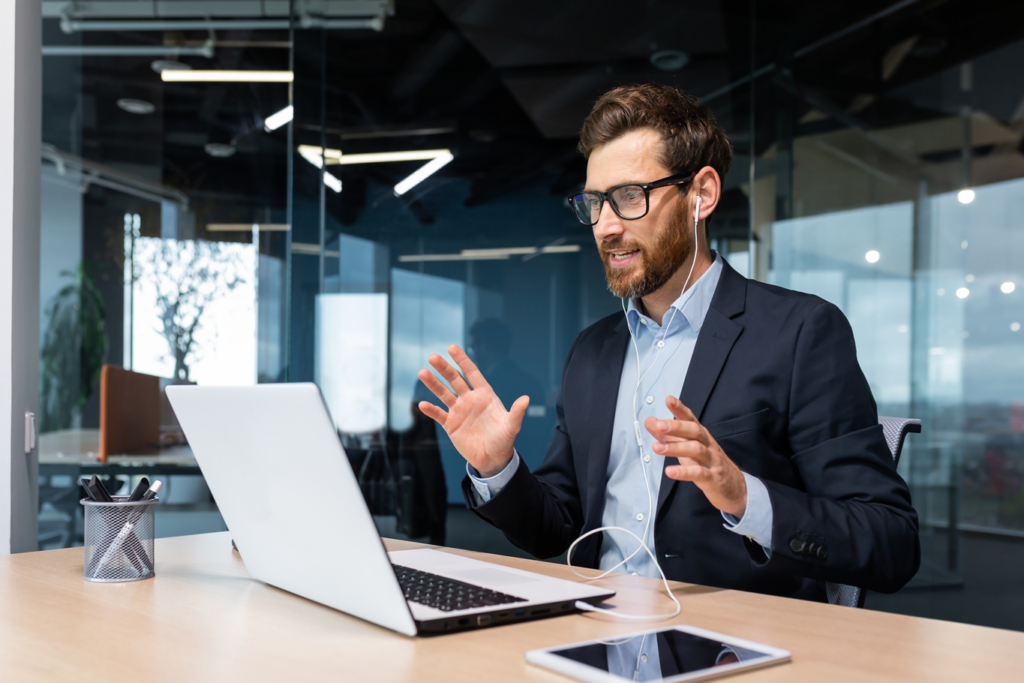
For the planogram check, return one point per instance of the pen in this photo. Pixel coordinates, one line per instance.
(126, 530)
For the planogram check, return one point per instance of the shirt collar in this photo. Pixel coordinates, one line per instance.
(693, 304)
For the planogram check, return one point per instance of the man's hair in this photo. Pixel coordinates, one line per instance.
(691, 137)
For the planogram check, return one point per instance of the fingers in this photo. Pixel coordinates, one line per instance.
(449, 373)
(438, 387)
(467, 366)
(518, 410)
(679, 409)
(694, 473)
(674, 430)
(432, 411)
(693, 450)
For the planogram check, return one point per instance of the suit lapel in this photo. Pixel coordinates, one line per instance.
(716, 339)
(604, 398)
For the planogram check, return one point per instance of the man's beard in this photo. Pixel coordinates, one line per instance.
(658, 262)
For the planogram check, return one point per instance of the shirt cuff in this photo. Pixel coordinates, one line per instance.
(489, 487)
(758, 517)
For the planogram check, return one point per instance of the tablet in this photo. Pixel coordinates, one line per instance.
(678, 653)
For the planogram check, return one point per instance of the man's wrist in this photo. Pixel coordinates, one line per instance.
(498, 469)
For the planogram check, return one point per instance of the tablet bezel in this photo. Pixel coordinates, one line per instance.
(548, 659)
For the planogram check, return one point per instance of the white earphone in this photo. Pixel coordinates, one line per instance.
(640, 444)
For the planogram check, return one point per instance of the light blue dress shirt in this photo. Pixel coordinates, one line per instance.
(666, 351)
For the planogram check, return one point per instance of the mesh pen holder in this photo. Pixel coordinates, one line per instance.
(119, 539)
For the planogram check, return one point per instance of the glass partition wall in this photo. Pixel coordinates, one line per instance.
(406, 190)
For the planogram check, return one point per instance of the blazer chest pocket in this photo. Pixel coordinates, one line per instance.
(738, 425)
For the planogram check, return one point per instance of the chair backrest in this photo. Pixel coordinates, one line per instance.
(895, 430)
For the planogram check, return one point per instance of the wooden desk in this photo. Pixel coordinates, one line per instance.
(204, 619)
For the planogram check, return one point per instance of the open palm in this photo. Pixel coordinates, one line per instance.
(476, 421)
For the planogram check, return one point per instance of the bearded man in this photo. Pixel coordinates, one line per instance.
(724, 421)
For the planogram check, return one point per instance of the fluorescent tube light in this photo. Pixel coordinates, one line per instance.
(312, 155)
(247, 227)
(275, 121)
(335, 156)
(201, 76)
(506, 251)
(332, 182)
(416, 258)
(422, 173)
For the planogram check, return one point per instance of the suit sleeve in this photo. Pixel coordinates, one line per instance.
(540, 512)
(854, 524)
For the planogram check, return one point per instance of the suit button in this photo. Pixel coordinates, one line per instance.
(796, 545)
(822, 553)
(811, 549)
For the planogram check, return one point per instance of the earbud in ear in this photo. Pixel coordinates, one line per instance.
(696, 211)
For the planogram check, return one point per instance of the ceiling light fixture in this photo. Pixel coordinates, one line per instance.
(965, 196)
(872, 256)
(275, 121)
(498, 254)
(335, 157)
(312, 155)
(963, 293)
(162, 65)
(247, 227)
(140, 107)
(219, 150)
(1007, 287)
(422, 173)
(207, 76)
(669, 60)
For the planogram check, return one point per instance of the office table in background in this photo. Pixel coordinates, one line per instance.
(203, 618)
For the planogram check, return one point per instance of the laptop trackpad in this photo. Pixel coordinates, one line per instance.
(489, 577)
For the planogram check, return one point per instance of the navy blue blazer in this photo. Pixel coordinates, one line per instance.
(774, 378)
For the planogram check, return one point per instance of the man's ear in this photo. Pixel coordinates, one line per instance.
(708, 186)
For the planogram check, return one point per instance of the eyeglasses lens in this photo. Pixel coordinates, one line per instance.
(630, 200)
(587, 207)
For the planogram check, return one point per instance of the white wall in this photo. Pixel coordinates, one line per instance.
(20, 121)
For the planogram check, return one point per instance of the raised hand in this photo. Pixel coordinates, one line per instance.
(701, 459)
(476, 421)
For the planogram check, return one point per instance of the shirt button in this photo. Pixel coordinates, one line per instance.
(639, 516)
(650, 399)
(643, 658)
(647, 457)
(642, 321)
(661, 345)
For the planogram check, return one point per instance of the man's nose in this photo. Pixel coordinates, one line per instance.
(608, 225)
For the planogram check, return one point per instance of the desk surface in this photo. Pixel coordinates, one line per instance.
(204, 618)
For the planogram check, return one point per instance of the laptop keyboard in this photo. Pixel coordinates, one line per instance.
(447, 594)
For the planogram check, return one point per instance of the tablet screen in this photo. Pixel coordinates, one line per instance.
(655, 655)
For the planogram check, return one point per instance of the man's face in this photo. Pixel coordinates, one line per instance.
(639, 256)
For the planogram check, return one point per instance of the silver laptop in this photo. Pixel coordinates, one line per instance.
(282, 481)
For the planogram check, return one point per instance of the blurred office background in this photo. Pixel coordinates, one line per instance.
(368, 181)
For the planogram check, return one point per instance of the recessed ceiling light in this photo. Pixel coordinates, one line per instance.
(1014, 327)
(131, 106)
(162, 65)
(963, 293)
(965, 196)
(872, 256)
(669, 60)
(219, 150)
(1007, 287)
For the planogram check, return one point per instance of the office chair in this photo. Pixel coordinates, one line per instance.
(895, 430)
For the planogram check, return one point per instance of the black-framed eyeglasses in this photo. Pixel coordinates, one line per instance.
(630, 202)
